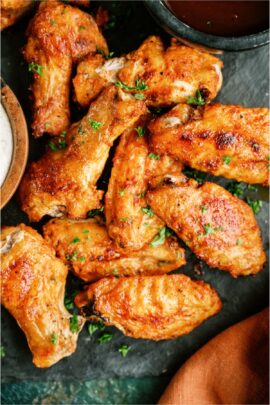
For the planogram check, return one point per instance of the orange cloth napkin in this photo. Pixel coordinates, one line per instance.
(230, 369)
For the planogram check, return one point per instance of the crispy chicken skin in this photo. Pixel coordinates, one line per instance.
(86, 246)
(12, 10)
(218, 227)
(129, 221)
(58, 36)
(151, 307)
(171, 75)
(224, 140)
(32, 290)
(65, 181)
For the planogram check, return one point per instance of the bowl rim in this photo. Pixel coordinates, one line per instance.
(176, 27)
(20, 139)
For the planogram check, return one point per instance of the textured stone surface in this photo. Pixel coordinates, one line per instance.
(246, 83)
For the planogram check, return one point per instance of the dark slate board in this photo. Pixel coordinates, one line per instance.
(246, 83)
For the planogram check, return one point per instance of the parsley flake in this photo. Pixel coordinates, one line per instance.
(148, 211)
(203, 208)
(95, 212)
(35, 68)
(140, 85)
(75, 240)
(123, 350)
(54, 338)
(105, 56)
(159, 239)
(105, 338)
(74, 324)
(153, 156)
(2, 351)
(256, 205)
(93, 327)
(197, 100)
(95, 124)
(227, 159)
(140, 131)
(121, 193)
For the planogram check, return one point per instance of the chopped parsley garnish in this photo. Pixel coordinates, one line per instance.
(52, 22)
(203, 208)
(93, 327)
(105, 338)
(125, 219)
(195, 174)
(140, 85)
(252, 188)
(47, 124)
(74, 324)
(82, 28)
(148, 211)
(239, 242)
(227, 159)
(236, 189)
(208, 228)
(85, 231)
(95, 124)
(36, 68)
(123, 350)
(139, 96)
(256, 205)
(95, 212)
(54, 338)
(81, 131)
(197, 100)
(2, 351)
(153, 156)
(74, 257)
(140, 195)
(159, 239)
(69, 300)
(105, 56)
(75, 240)
(60, 144)
(140, 131)
(121, 193)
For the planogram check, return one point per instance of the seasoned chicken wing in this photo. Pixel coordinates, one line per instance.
(64, 181)
(218, 227)
(12, 10)
(224, 140)
(163, 77)
(130, 222)
(150, 307)
(32, 289)
(58, 36)
(86, 246)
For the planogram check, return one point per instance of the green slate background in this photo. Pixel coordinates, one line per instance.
(97, 374)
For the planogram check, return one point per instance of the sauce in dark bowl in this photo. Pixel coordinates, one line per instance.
(223, 18)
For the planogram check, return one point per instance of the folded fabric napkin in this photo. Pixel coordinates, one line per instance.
(230, 369)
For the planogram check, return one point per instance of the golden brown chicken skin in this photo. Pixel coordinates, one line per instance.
(12, 10)
(86, 246)
(32, 290)
(163, 77)
(130, 221)
(64, 181)
(58, 36)
(224, 140)
(153, 307)
(218, 227)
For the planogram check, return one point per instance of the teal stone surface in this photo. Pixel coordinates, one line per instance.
(97, 374)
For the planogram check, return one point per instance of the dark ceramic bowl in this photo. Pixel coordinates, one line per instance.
(170, 23)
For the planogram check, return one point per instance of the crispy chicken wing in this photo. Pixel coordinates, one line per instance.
(92, 254)
(58, 36)
(12, 10)
(151, 307)
(170, 76)
(218, 227)
(225, 140)
(32, 289)
(130, 222)
(64, 181)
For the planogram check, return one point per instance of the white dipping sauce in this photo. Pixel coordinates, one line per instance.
(6, 144)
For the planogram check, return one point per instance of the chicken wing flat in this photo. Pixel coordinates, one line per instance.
(12, 10)
(32, 290)
(58, 36)
(151, 307)
(86, 246)
(64, 181)
(224, 140)
(163, 77)
(130, 222)
(218, 227)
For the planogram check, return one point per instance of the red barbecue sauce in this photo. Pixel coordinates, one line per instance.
(223, 18)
